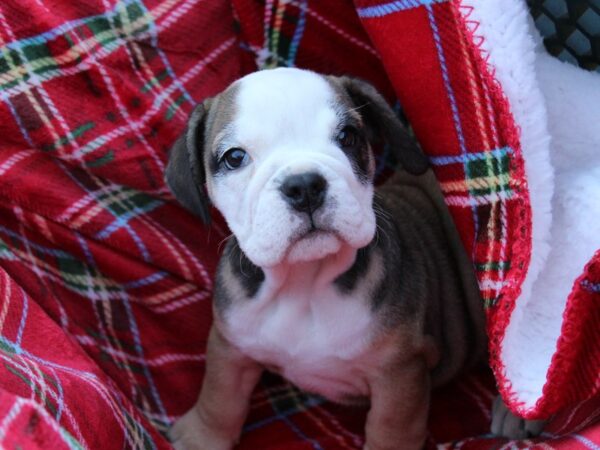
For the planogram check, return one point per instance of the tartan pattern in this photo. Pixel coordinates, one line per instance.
(70, 43)
(106, 283)
(389, 8)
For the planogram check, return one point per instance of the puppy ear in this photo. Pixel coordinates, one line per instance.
(185, 173)
(380, 118)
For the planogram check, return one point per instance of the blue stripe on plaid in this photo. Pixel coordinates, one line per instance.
(298, 33)
(10, 346)
(281, 415)
(446, 77)
(52, 73)
(146, 281)
(591, 287)
(136, 239)
(453, 106)
(44, 250)
(20, 124)
(82, 374)
(123, 220)
(23, 319)
(67, 27)
(60, 401)
(468, 157)
(585, 441)
(139, 349)
(136, 337)
(86, 249)
(300, 434)
(163, 57)
(392, 7)
(61, 254)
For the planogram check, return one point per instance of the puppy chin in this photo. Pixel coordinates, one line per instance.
(314, 246)
(264, 257)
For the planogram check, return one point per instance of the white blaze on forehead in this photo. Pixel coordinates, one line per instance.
(283, 105)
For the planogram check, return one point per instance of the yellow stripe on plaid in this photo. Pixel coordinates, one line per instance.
(81, 49)
(73, 54)
(494, 183)
(166, 296)
(114, 196)
(89, 284)
(6, 300)
(30, 87)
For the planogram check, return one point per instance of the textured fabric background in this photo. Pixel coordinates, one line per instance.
(105, 282)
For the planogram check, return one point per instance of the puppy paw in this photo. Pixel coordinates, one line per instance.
(190, 432)
(506, 424)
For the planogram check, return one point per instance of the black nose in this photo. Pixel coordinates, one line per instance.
(305, 192)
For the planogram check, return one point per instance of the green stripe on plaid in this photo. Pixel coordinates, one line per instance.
(488, 179)
(279, 48)
(41, 393)
(138, 434)
(63, 140)
(161, 76)
(285, 400)
(5, 251)
(85, 280)
(78, 276)
(488, 184)
(489, 175)
(46, 399)
(123, 344)
(174, 107)
(493, 266)
(123, 201)
(109, 32)
(109, 156)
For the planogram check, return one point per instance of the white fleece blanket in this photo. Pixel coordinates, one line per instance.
(557, 107)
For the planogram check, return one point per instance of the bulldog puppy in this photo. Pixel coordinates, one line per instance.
(350, 292)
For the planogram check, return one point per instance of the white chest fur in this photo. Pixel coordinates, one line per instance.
(313, 335)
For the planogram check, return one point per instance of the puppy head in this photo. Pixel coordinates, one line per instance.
(286, 157)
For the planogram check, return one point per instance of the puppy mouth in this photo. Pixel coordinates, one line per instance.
(313, 243)
(312, 232)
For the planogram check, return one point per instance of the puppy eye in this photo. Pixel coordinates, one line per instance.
(234, 158)
(348, 138)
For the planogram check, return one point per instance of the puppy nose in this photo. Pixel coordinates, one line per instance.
(305, 192)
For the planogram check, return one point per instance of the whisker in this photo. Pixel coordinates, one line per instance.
(385, 218)
(378, 208)
(383, 215)
(358, 107)
(242, 266)
(223, 241)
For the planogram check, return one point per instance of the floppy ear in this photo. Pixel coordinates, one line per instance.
(381, 119)
(185, 173)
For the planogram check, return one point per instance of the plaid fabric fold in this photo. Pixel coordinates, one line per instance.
(105, 282)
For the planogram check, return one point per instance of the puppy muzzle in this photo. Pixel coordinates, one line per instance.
(305, 210)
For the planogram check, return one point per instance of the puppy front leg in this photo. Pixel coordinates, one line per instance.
(215, 421)
(397, 419)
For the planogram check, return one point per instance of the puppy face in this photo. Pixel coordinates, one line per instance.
(291, 171)
(286, 158)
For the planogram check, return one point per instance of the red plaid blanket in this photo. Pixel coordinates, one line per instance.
(105, 282)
